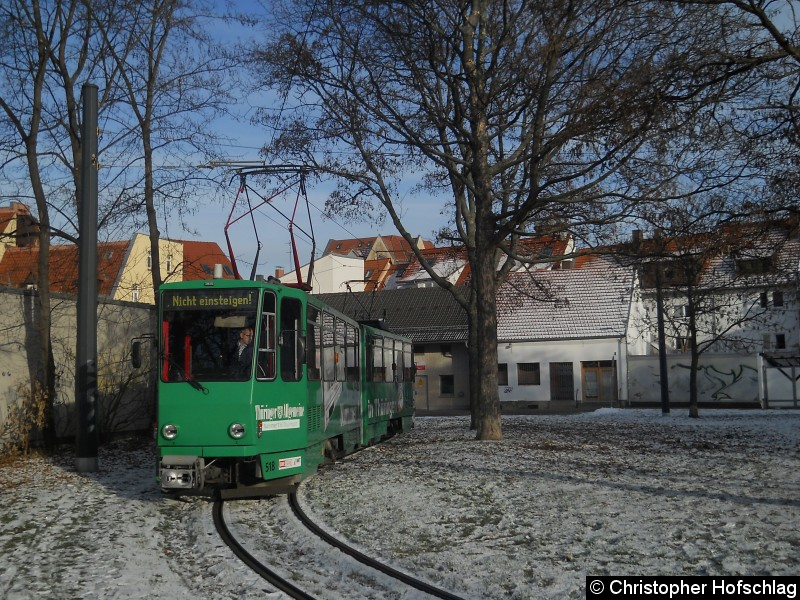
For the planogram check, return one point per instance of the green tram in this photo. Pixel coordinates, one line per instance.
(314, 386)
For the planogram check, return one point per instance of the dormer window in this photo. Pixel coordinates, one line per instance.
(754, 266)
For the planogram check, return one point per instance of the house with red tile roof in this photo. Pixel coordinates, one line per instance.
(393, 247)
(378, 273)
(538, 253)
(124, 268)
(17, 227)
(385, 257)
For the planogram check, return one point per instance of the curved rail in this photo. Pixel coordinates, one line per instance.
(363, 558)
(248, 559)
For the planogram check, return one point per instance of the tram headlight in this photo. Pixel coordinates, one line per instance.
(169, 432)
(236, 431)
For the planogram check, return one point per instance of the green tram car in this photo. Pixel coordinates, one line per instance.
(317, 386)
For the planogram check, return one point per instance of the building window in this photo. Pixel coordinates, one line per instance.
(528, 374)
(502, 374)
(446, 385)
(777, 298)
(762, 300)
(780, 341)
(169, 262)
(149, 259)
(135, 293)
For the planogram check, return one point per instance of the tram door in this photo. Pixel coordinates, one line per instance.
(292, 353)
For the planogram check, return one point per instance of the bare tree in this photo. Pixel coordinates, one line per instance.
(171, 84)
(530, 116)
(159, 85)
(715, 275)
(45, 47)
(774, 57)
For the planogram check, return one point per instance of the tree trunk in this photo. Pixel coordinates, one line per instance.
(693, 410)
(152, 217)
(474, 363)
(482, 302)
(695, 359)
(43, 380)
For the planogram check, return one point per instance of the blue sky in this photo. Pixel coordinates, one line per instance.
(421, 215)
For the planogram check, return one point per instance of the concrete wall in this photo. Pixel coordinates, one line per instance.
(723, 379)
(126, 397)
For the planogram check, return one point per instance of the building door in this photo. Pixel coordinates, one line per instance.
(599, 381)
(421, 392)
(561, 381)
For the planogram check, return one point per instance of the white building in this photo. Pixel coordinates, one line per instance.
(332, 274)
(564, 335)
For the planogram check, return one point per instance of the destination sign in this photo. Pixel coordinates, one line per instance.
(210, 299)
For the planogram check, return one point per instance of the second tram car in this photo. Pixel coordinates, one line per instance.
(260, 383)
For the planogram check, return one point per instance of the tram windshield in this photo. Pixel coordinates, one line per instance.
(209, 334)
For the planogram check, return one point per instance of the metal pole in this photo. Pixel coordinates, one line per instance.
(86, 360)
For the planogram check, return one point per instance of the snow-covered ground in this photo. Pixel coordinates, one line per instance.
(606, 493)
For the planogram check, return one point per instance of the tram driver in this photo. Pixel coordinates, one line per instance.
(243, 359)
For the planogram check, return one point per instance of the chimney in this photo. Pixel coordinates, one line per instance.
(279, 272)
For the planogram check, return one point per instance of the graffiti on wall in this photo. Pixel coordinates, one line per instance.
(715, 384)
(721, 378)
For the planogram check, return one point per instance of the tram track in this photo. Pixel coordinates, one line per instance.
(289, 588)
(252, 562)
(363, 558)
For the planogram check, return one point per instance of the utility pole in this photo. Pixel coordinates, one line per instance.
(86, 359)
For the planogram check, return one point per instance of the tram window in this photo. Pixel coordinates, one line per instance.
(266, 340)
(339, 355)
(399, 361)
(292, 351)
(328, 348)
(388, 360)
(351, 352)
(201, 330)
(313, 344)
(376, 345)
